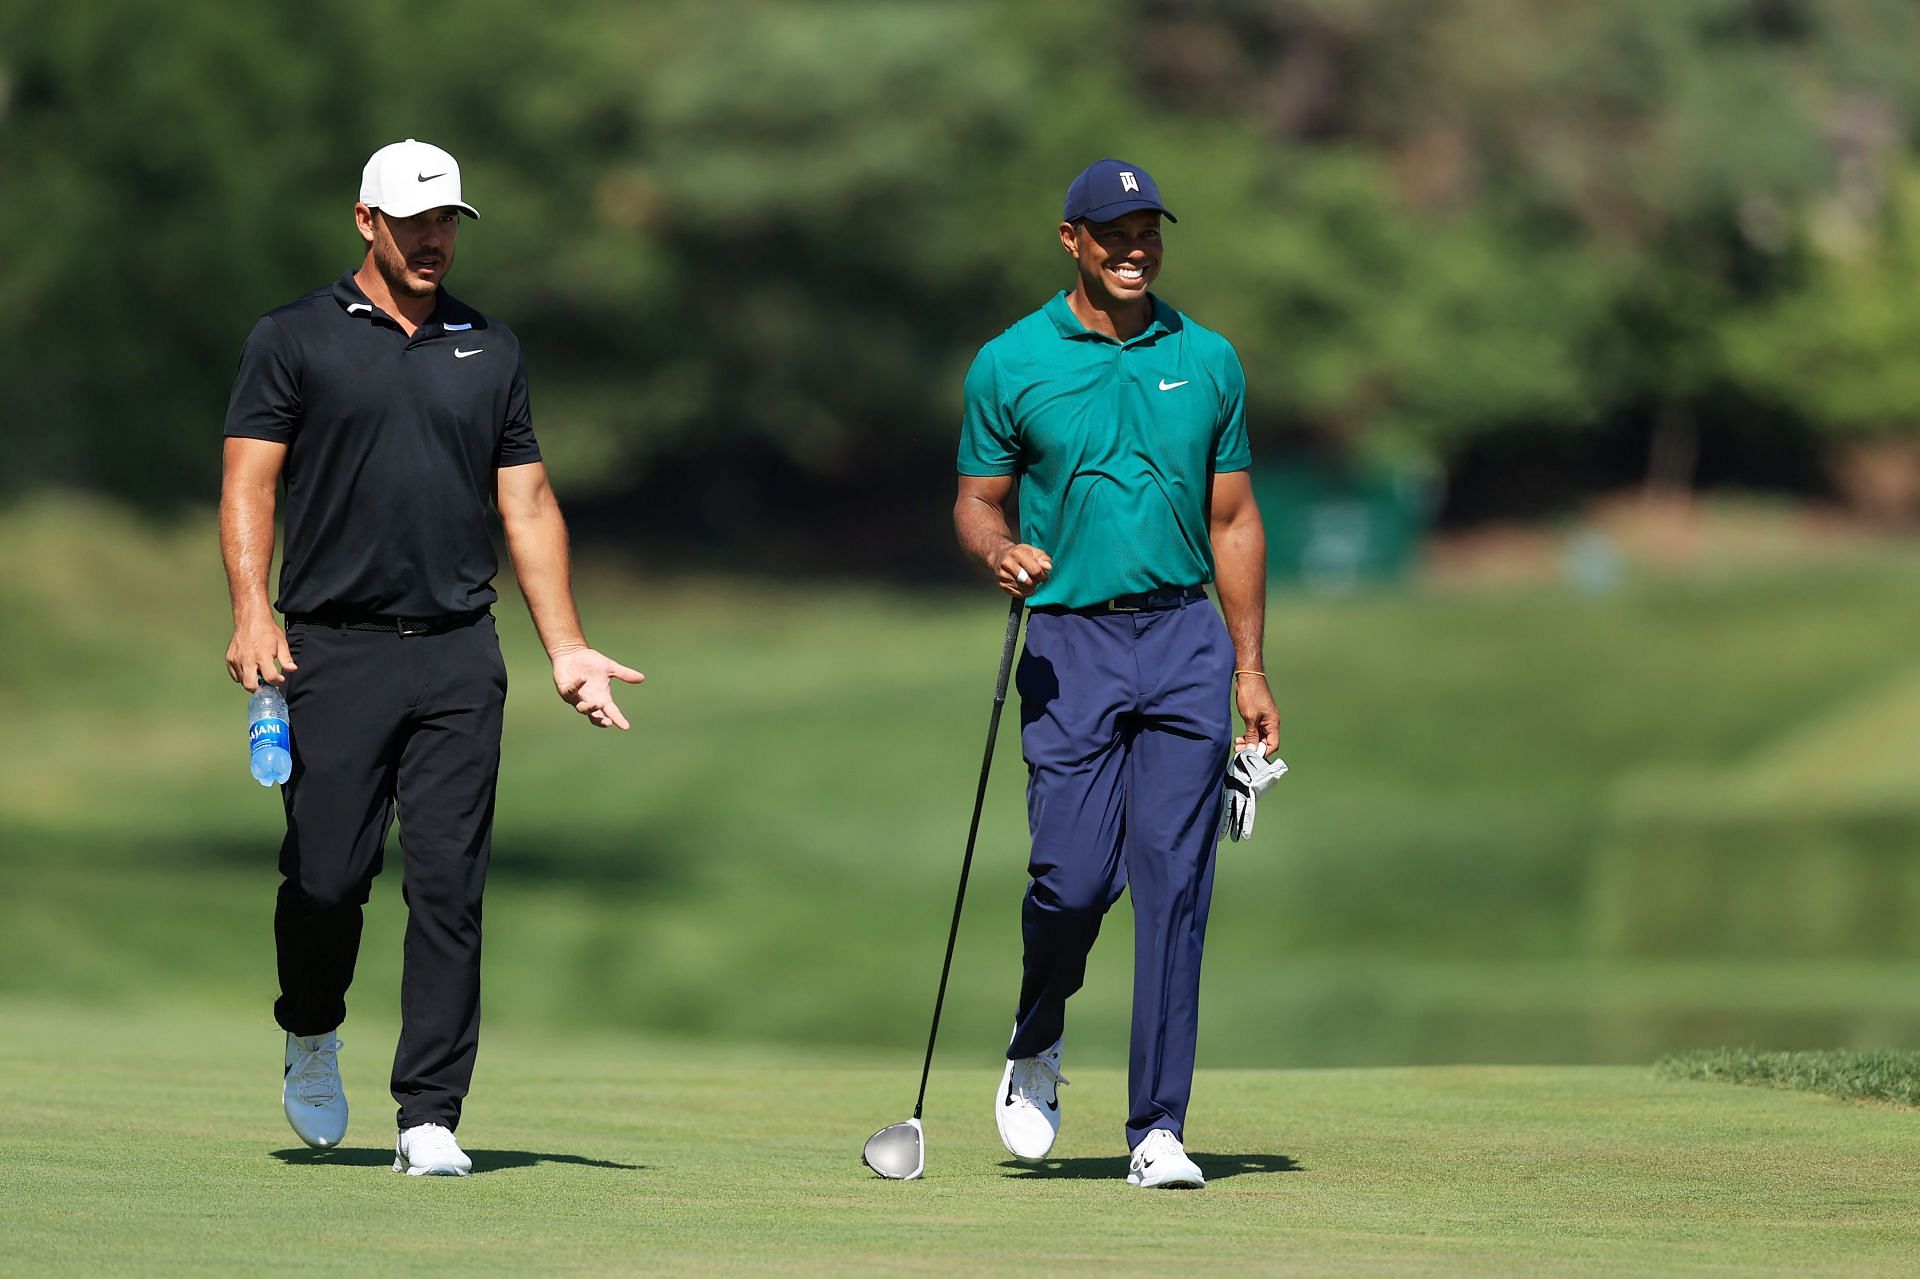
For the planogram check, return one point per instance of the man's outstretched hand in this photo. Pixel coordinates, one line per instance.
(584, 679)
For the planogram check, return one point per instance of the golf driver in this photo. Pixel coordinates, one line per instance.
(898, 1151)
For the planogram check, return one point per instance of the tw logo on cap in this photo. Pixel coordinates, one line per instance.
(1107, 189)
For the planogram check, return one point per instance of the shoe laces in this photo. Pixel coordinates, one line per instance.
(1036, 1080)
(1154, 1145)
(315, 1072)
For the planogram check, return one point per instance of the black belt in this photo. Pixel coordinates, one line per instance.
(1153, 601)
(391, 625)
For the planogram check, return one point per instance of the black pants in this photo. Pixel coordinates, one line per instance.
(381, 719)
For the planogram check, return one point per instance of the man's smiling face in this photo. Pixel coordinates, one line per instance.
(1118, 260)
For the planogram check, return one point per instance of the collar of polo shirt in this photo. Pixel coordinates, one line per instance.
(450, 314)
(1061, 313)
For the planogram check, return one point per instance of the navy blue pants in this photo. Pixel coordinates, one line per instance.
(1126, 731)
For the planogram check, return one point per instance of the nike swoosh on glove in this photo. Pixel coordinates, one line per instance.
(1249, 773)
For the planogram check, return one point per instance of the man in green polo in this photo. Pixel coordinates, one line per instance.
(1123, 423)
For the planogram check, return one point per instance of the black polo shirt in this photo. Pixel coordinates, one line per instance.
(392, 444)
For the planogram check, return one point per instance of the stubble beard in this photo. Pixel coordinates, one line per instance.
(393, 269)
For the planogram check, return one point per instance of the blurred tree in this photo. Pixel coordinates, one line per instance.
(1841, 350)
(161, 186)
(751, 246)
(1567, 202)
(1844, 348)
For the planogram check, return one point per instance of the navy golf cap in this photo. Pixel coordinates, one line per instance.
(1108, 188)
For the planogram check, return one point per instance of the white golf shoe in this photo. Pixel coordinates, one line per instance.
(428, 1150)
(310, 1090)
(1160, 1160)
(1027, 1106)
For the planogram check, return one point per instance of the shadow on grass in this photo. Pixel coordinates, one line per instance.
(483, 1160)
(1216, 1167)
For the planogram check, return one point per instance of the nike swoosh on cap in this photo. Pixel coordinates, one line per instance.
(1168, 386)
(428, 177)
(458, 354)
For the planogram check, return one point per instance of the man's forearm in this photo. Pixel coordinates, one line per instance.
(537, 543)
(982, 528)
(246, 547)
(1240, 577)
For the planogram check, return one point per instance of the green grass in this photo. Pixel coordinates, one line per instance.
(1418, 891)
(1800, 848)
(1851, 1076)
(152, 1144)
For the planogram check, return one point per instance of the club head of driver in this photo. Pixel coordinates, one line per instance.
(897, 1152)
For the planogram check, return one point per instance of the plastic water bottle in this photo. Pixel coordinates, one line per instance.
(269, 735)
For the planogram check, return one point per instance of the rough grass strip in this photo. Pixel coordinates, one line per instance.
(1883, 1075)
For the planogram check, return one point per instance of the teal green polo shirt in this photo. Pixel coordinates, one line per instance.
(1114, 443)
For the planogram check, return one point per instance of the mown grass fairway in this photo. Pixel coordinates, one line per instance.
(154, 1145)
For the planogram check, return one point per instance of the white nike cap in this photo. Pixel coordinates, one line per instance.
(405, 178)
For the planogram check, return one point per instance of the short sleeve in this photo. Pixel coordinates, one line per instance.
(265, 404)
(1230, 449)
(988, 442)
(517, 445)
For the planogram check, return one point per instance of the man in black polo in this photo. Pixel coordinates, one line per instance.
(394, 412)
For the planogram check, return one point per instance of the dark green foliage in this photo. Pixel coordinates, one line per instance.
(1883, 1075)
(751, 246)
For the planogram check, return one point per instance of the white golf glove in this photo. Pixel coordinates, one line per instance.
(1249, 773)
